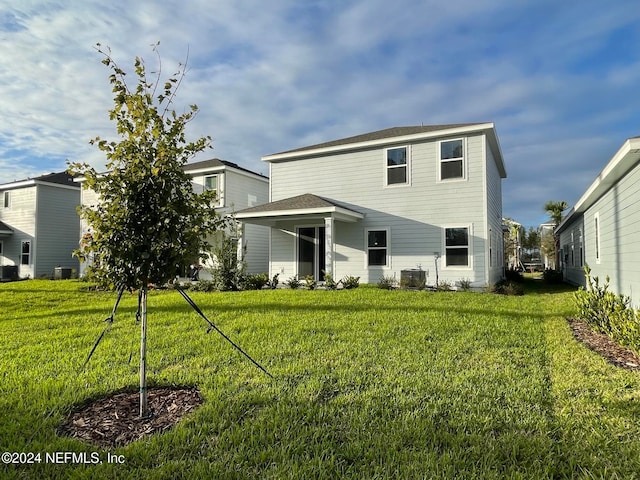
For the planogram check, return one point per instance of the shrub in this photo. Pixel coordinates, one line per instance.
(607, 312)
(507, 287)
(464, 284)
(204, 286)
(513, 276)
(293, 282)
(255, 281)
(387, 283)
(350, 282)
(274, 282)
(443, 286)
(310, 282)
(552, 276)
(329, 282)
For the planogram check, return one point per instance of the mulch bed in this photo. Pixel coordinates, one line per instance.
(604, 345)
(115, 421)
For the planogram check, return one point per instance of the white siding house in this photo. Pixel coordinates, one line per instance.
(39, 226)
(236, 188)
(603, 229)
(406, 198)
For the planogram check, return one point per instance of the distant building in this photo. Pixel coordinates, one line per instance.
(39, 225)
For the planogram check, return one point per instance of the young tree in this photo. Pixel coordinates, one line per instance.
(555, 210)
(149, 221)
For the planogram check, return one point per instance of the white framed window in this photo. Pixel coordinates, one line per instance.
(212, 184)
(596, 232)
(451, 154)
(7, 199)
(377, 247)
(457, 247)
(25, 253)
(397, 166)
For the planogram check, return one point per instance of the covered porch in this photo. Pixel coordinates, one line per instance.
(306, 226)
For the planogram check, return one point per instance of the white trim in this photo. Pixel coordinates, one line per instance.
(387, 248)
(597, 229)
(407, 166)
(383, 141)
(469, 265)
(463, 159)
(339, 213)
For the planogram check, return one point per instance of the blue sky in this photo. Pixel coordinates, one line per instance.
(560, 80)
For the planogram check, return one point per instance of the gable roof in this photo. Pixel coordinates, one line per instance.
(626, 158)
(217, 163)
(395, 135)
(304, 204)
(57, 178)
(4, 228)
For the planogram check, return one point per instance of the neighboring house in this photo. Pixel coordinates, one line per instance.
(39, 224)
(236, 188)
(547, 245)
(407, 198)
(603, 228)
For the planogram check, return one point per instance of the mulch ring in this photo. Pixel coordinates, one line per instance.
(604, 345)
(115, 421)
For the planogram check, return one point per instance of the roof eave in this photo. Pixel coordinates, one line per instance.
(384, 141)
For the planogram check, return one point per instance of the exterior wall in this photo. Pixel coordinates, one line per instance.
(572, 248)
(495, 254)
(21, 217)
(415, 214)
(57, 229)
(618, 214)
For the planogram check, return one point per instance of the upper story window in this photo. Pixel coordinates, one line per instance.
(212, 183)
(452, 159)
(7, 199)
(596, 229)
(397, 166)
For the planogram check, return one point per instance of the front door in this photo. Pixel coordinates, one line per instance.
(311, 252)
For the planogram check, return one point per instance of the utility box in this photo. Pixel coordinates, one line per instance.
(9, 272)
(61, 273)
(413, 278)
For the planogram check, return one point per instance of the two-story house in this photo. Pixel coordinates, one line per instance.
(373, 205)
(39, 225)
(236, 188)
(603, 227)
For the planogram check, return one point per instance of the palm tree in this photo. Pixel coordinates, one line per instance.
(555, 209)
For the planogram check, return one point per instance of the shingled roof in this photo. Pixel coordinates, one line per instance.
(5, 228)
(214, 163)
(60, 178)
(382, 134)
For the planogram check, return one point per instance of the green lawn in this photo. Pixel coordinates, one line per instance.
(368, 384)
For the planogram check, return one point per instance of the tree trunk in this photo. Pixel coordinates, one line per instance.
(143, 352)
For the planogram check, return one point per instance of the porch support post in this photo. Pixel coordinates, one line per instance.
(328, 239)
(240, 229)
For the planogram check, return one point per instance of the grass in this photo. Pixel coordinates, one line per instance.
(368, 384)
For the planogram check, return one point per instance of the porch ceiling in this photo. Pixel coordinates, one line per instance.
(306, 206)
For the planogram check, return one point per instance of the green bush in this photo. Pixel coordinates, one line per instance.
(255, 281)
(607, 312)
(552, 276)
(310, 282)
(350, 282)
(443, 286)
(387, 283)
(204, 286)
(329, 282)
(464, 284)
(507, 287)
(293, 282)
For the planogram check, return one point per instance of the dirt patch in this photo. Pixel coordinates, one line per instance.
(114, 421)
(604, 345)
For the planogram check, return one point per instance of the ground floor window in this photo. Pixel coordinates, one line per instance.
(378, 248)
(25, 256)
(457, 247)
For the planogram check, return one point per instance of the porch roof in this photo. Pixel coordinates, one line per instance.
(301, 206)
(5, 230)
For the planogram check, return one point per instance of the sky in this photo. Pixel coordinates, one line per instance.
(559, 80)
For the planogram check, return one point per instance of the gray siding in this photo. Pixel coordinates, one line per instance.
(495, 254)
(416, 214)
(618, 212)
(58, 229)
(21, 217)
